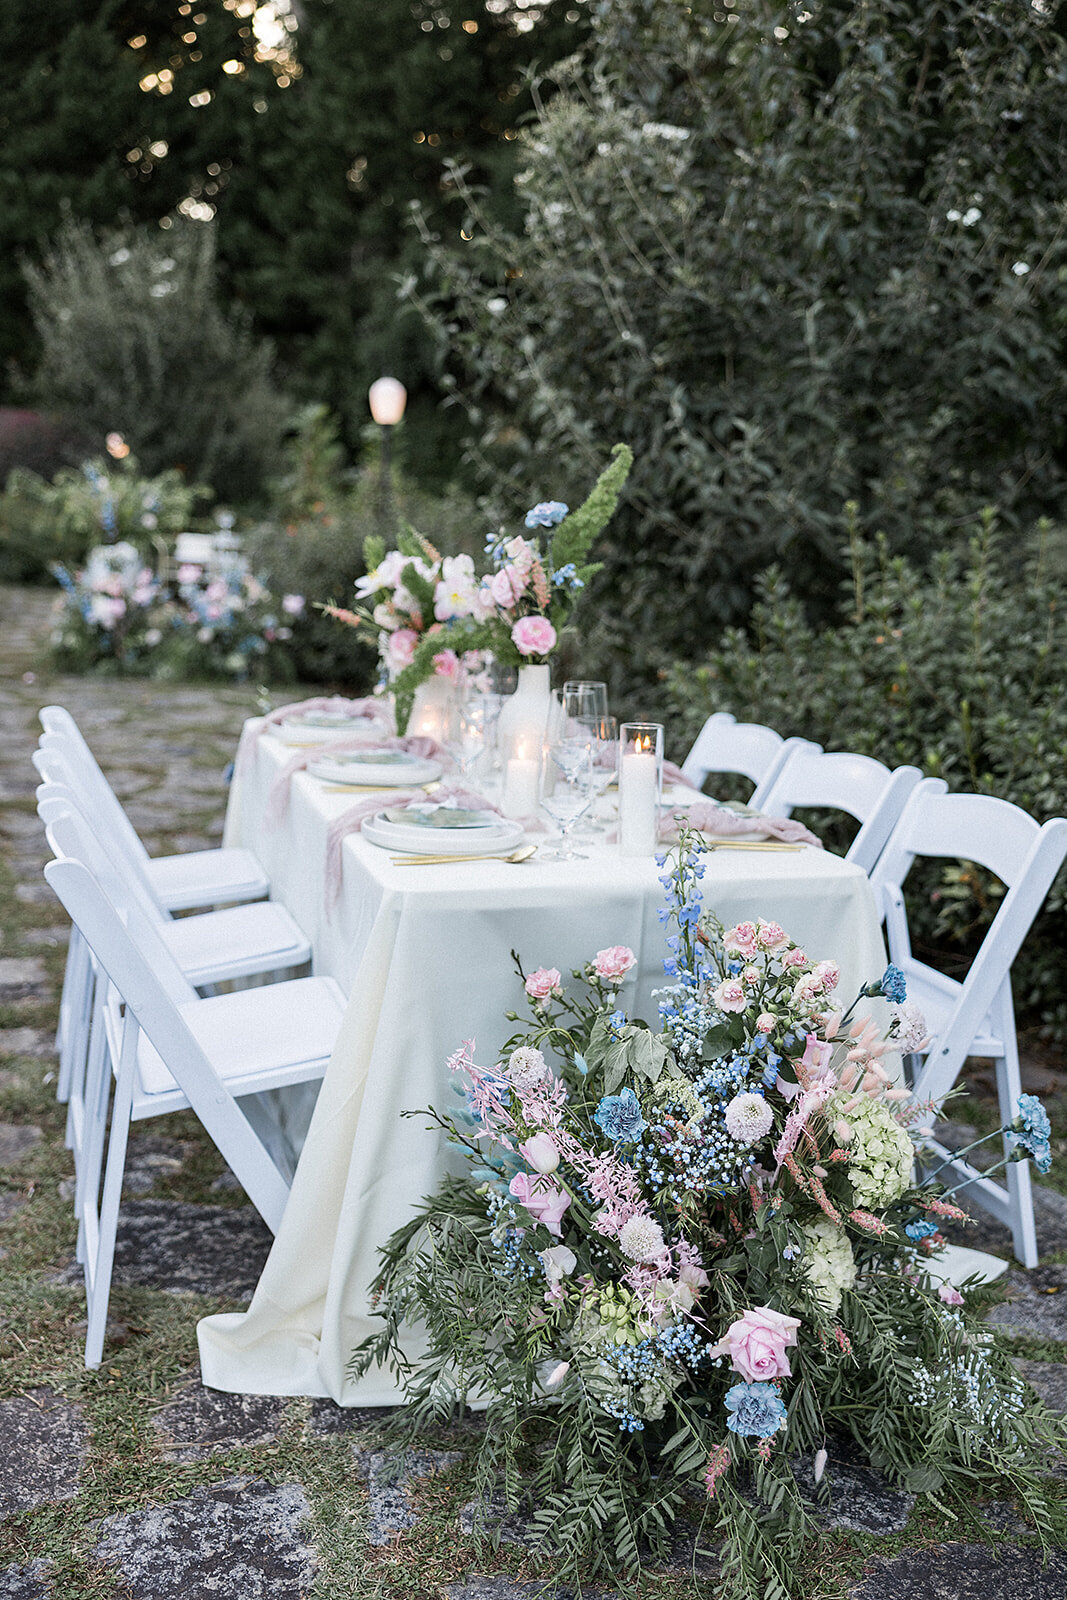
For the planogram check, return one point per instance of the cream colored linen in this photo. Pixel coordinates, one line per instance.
(424, 957)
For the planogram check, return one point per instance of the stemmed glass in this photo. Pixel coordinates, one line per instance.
(603, 733)
(566, 787)
(470, 725)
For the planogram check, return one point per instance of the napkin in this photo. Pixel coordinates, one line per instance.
(352, 820)
(416, 744)
(708, 817)
(369, 708)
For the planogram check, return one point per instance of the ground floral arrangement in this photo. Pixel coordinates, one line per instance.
(116, 614)
(680, 1261)
(434, 614)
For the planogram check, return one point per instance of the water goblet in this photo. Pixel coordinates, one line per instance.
(566, 791)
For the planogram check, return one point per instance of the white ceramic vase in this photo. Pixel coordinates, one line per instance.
(520, 738)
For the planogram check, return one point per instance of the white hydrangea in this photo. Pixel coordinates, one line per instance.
(828, 1261)
(911, 1029)
(880, 1152)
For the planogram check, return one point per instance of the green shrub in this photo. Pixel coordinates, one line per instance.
(312, 544)
(134, 341)
(959, 670)
(793, 256)
(44, 523)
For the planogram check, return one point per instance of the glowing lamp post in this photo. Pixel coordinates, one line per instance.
(387, 397)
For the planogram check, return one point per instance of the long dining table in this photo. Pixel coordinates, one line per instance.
(424, 956)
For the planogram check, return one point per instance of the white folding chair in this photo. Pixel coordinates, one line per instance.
(723, 745)
(169, 1049)
(183, 882)
(258, 940)
(863, 787)
(975, 1017)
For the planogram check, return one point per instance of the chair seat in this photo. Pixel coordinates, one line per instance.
(936, 995)
(235, 943)
(271, 1036)
(206, 877)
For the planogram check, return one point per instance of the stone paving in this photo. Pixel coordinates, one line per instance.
(240, 1534)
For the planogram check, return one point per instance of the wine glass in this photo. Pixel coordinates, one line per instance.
(469, 727)
(602, 735)
(566, 788)
(586, 697)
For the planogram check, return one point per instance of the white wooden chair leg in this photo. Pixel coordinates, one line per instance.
(98, 1271)
(68, 1006)
(1009, 1087)
(94, 1117)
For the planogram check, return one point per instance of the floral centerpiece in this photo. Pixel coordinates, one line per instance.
(681, 1263)
(429, 610)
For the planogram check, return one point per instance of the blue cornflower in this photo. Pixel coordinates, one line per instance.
(619, 1115)
(892, 984)
(756, 1410)
(546, 514)
(920, 1230)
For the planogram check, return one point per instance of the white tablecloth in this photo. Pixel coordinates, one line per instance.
(423, 954)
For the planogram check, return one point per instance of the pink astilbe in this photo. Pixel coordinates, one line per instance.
(487, 1093)
(539, 584)
(718, 1463)
(945, 1208)
(869, 1222)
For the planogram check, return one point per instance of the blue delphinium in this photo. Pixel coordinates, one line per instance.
(546, 514)
(619, 1115)
(566, 577)
(892, 985)
(920, 1229)
(756, 1410)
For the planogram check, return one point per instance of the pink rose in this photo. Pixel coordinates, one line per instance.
(533, 636)
(756, 1344)
(401, 647)
(543, 983)
(949, 1295)
(770, 935)
(729, 996)
(543, 1201)
(507, 586)
(612, 965)
(541, 1153)
(446, 665)
(742, 938)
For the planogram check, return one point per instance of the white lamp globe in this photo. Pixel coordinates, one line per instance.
(387, 397)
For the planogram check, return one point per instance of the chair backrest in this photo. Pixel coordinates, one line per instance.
(62, 733)
(71, 833)
(863, 787)
(1001, 837)
(723, 745)
(132, 955)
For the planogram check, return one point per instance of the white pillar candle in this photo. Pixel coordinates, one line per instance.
(638, 804)
(520, 784)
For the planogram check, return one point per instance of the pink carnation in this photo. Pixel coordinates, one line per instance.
(729, 996)
(612, 964)
(446, 665)
(543, 1201)
(794, 958)
(742, 938)
(543, 983)
(533, 636)
(756, 1344)
(770, 935)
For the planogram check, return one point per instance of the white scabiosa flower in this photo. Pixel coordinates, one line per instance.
(748, 1118)
(642, 1239)
(527, 1068)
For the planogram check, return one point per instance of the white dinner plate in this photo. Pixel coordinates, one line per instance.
(321, 727)
(422, 839)
(388, 769)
